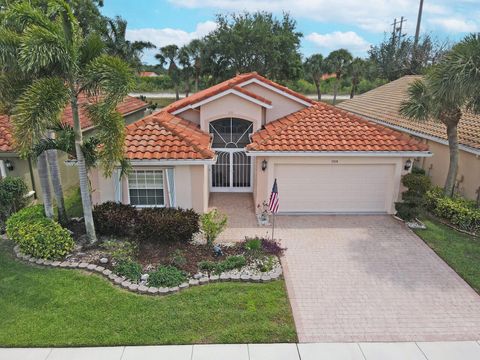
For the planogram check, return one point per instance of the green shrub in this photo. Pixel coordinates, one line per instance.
(212, 224)
(254, 244)
(460, 212)
(12, 196)
(266, 264)
(230, 263)
(130, 269)
(166, 224)
(178, 259)
(166, 276)
(112, 218)
(120, 250)
(414, 198)
(38, 236)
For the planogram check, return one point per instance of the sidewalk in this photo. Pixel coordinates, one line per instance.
(459, 350)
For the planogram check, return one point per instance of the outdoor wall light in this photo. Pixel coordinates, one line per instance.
(408, 164)
(264, 165)
(9, 165)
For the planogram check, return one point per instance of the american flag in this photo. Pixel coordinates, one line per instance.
(273, 204)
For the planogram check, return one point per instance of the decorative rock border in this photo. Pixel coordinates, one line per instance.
(122, 282)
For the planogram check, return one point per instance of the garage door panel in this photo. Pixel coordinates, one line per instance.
(334, 188)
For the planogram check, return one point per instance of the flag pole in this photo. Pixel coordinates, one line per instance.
(273, 226)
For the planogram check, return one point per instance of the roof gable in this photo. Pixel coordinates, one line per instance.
(236, 83)
(383, 103)
(167, 137)
(323, 127)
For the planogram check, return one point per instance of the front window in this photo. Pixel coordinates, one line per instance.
(146, 188)
(231, 133)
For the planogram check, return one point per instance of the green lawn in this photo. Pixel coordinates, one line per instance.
(460, 251)
(60, 307)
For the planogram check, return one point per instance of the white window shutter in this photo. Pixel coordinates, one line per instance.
(118, 185)
(171, 186)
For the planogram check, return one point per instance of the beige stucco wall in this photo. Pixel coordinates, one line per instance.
(264, 179)
(281, 105)
(69, 174)
(191, 186)
(468, 176)
(230, 106)
(192, 115)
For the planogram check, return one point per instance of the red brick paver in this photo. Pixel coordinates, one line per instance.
(369, 278)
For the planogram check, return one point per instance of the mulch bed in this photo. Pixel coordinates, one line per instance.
(162, 253)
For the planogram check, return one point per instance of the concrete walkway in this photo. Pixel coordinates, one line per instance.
(465, 350)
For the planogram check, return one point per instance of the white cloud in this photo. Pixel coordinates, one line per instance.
(348, 40)
(371, 15)
(456, 24)
(168, 36)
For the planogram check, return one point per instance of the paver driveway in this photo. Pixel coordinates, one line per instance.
(369, 278)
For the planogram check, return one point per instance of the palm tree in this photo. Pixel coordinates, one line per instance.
(338, 62)
(196, 49)
(118, 45)
(63, 65)
(187, 67)
(314, 66)
(169, 55)
(52, 158)
(42, 168)
(450, 88)
(356, 70)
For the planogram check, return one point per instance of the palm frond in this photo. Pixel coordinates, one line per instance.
(111, 77)
(37, 110)
(20, 15)
(91, 48)
(9, 44)
(418, 105)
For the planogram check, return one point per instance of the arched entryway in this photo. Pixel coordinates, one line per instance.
(233, 169)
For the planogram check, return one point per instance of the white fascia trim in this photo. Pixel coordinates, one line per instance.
(274, 89)
(172, 162)
(419, 134)
(220, 95)
(343, 153)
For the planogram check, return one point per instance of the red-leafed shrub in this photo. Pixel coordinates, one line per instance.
(113, 218)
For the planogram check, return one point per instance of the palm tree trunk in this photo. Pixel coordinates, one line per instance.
(335, 90)
(82, 174)
(57, 184)
(196, 81)
(453, 167)
(319, 94)
(177, 95)
(352, 91)
(42, 168)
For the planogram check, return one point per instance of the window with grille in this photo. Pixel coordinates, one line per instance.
(146, 188)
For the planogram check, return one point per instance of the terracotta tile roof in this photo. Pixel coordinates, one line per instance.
(323, 127)
(147, 73)
(127, 106)
(165, 136)
(383, 104)
(229, 84)
(6, 138)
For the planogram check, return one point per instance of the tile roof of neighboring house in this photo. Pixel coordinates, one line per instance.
(383, 104)
(323, 127)
(165, 136)
(232, 84)
(127, 106)
(147, 73)
(6, 139)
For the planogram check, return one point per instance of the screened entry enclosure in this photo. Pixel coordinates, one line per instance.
(233, 169)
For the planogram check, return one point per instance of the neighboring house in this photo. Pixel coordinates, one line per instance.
(382, 105)
(147, 74)
(131, 109)
(240, 135)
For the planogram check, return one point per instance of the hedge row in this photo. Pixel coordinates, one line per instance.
(146, 225)
(460, 212)
(37, 235)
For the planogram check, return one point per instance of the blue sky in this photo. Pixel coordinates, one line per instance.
(326, 25)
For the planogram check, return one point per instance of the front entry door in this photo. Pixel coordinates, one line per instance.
(231, 172)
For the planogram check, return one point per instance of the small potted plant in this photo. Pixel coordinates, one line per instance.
(263, 214)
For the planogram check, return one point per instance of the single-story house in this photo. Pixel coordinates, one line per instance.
(242, 134)
(382, 105)
(11, 164)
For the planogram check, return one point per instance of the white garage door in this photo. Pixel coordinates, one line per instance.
(334, 188)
